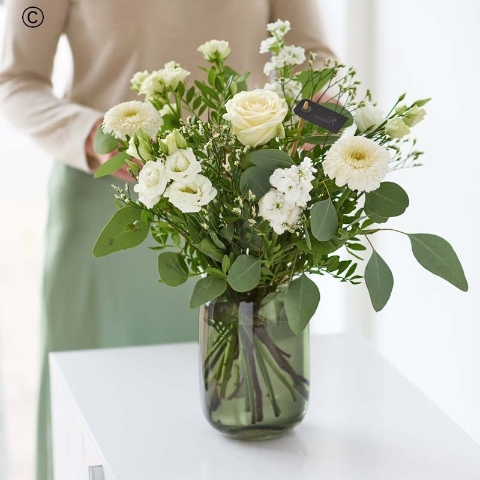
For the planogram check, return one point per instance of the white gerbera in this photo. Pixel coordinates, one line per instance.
(357, 162)
(129, 117)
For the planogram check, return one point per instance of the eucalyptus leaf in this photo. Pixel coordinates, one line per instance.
(314, 81)
(437, 256)
(244, 274)
(172, 269)
(324, 220)
(270, 159)
(320, 248)
(112, 165)
(257, 180)
(104, 142)
(301, 302)
(207, 289)
(124, 230)
(207, 247)
(389, 200)
(379, 281)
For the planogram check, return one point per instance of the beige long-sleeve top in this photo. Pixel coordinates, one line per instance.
(112, 39)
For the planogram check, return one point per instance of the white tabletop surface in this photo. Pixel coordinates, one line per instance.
(365, 420)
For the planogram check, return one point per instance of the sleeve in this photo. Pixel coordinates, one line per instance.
(58, 126)
(307, 26)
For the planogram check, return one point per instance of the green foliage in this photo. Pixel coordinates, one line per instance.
(301, 302)
(437, 256)
(270, 159)
(104, 142)
(379, 281)
(112, 165)
(244, 274)
(324, 220)
(124, 230)
(389, 200)
(207, 289)
(257, 180)
(314, 81)
(172, 269)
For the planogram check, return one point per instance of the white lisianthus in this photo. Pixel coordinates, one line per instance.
(256, 116)
(280, 214)
(291, 88)
(279, 28)
(140, 148)
(152, 182)
(191, 194)
(129, 117)
(174, 141)
(138, 79)
(295, 182)
(368, 116)
(396, 128)
(358, 162)
(182, 164)
(414, 115)
(214, 50)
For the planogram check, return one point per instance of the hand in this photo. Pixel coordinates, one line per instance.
(95, 160)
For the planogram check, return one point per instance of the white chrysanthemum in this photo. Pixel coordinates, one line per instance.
(357, 162)
(280, 214)
(191, 194)
(128, 117)
(182, 164)
(279, 28)
(152, 181)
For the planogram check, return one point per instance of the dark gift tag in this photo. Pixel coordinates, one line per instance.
(321, 116)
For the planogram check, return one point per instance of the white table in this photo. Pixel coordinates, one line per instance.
(136, 412)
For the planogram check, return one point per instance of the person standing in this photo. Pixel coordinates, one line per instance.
(112, 302)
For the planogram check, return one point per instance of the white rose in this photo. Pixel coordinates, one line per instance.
(152, 85)
(215, 50)
(368, 116)
(414, 116)
(396, 128)
(152, 181)
(182, 164)
(168, 109)
(256, 116)
(191, 194)
(173, 74)
(138, 79)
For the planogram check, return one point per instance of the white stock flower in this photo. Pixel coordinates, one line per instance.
(182, 164)
(269, 44)
(396, 128)
(414, 115)
(357, 162)
(191, 194)
(128, 117)
(280, 214)
(152, 181)
(256, 116)
(288, 56)
(368, 116)
(295, 182)
(138, 79)
(292, 88)
(279, 28)
(215, 50)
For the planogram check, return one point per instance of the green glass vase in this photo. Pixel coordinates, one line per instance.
(254, 369)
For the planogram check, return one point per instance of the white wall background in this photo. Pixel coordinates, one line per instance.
(428, 330)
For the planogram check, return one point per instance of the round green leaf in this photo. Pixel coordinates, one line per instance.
(379, 281)
(301, 302)
(104, 142)
(324, 220)
(389, 200)
(207, 289)
(244, 274)
(124, 230)
(257, 180)
(270, 159)
(172, 269)
(110, 166)
(436, 255)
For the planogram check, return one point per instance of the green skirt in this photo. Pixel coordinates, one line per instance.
(98, 303)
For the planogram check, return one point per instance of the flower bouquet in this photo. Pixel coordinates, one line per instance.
(251, 191)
